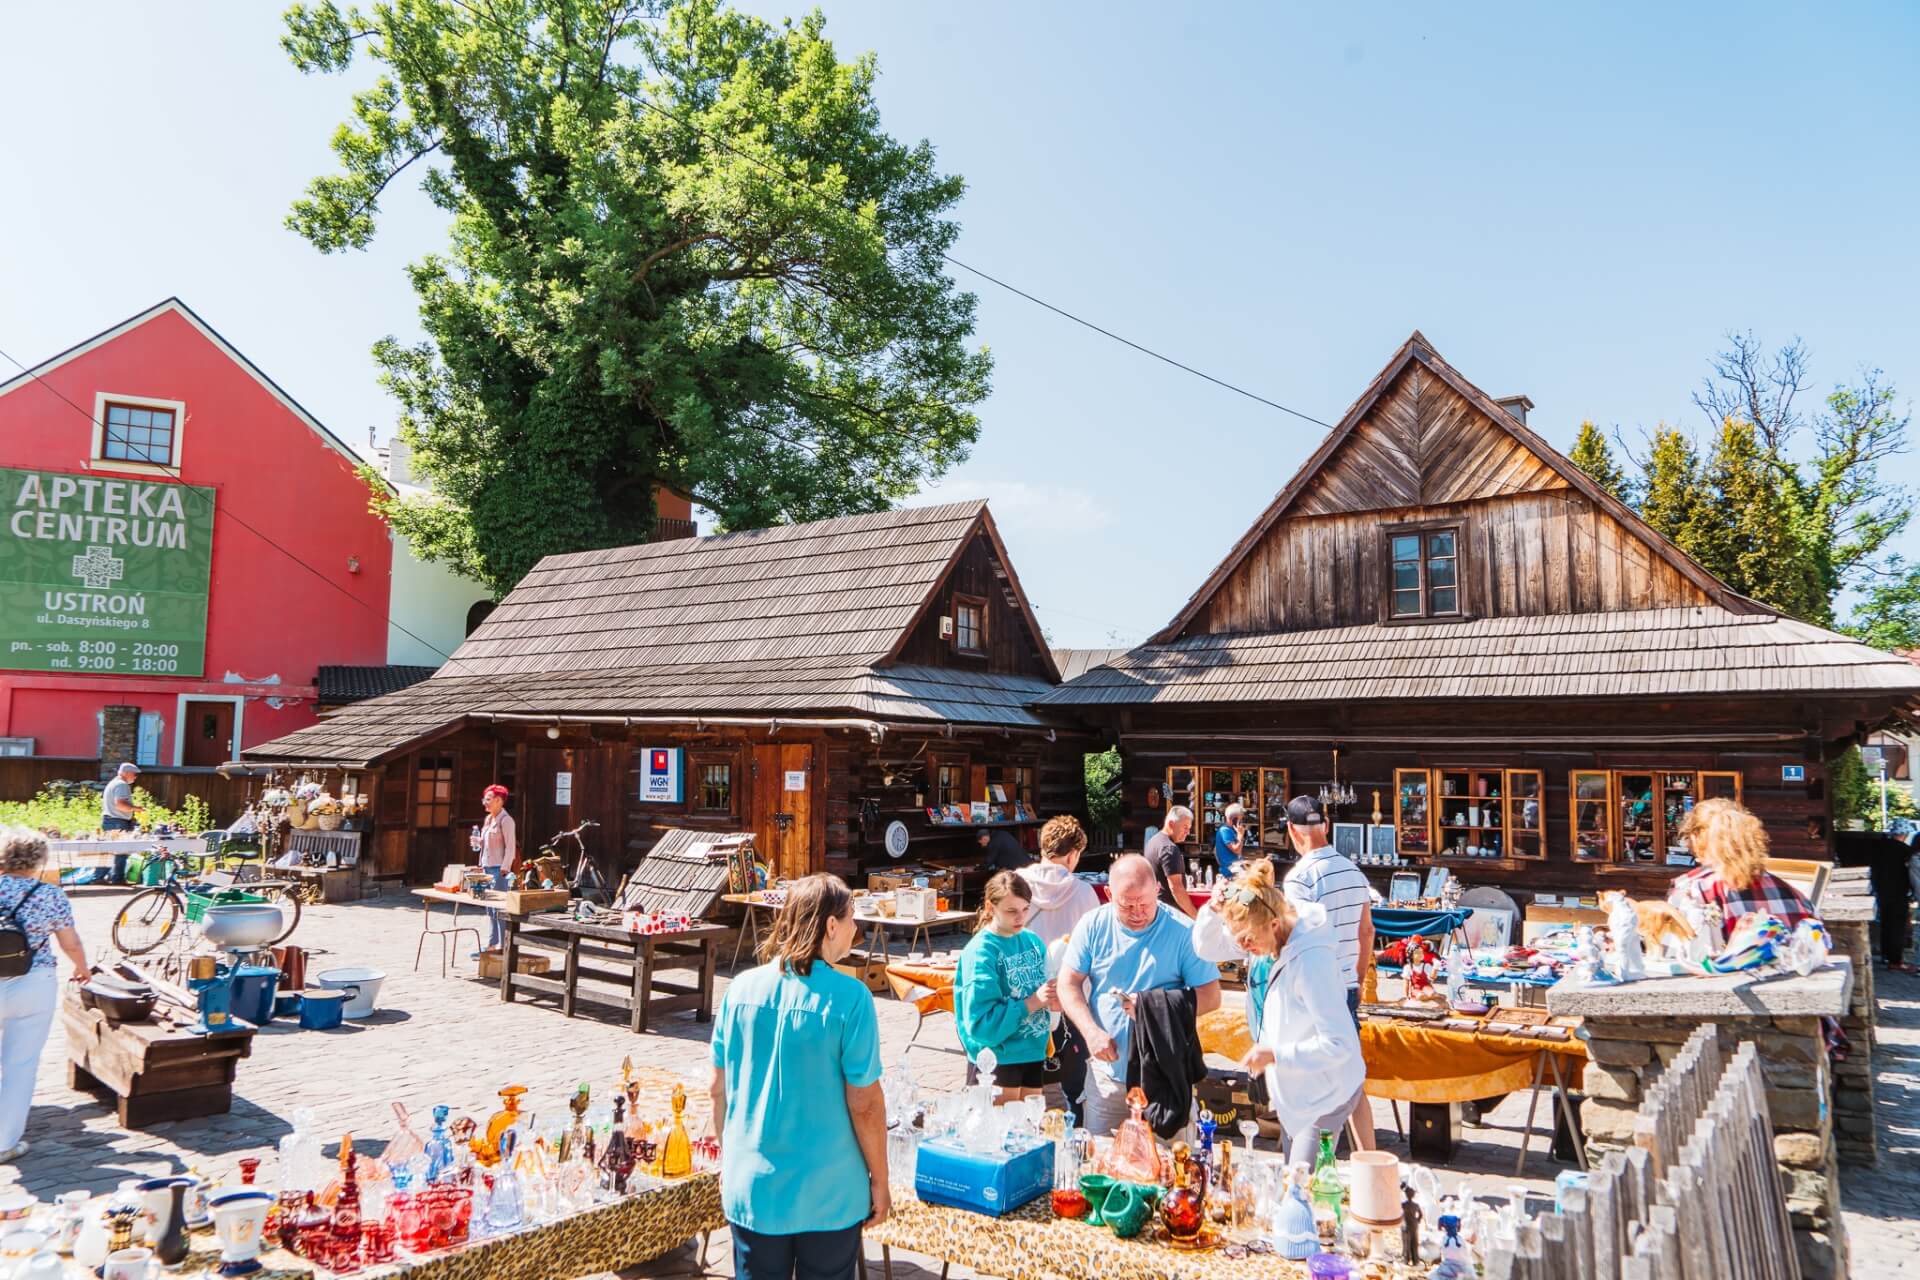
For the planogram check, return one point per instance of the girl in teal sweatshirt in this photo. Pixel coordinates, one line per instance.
(1002, 993)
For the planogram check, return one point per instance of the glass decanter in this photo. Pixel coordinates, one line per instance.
(573, 1142)
(343, 1226)
(405, 1143)
(507, 1209)
(1133, 1156)
(439, 1148)
(1067, 1198)
(486, 1149)
(1184, 1207)
(619, 1158)
(676, 1156)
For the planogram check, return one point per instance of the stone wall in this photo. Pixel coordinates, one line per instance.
(119, 738)
(1848, 909)
(1634, 1031)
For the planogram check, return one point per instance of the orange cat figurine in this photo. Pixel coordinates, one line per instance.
(1658, 920)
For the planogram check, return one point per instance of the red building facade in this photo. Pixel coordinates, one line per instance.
(298, 574)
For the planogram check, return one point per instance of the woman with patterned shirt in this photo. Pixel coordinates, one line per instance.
(1731, 846)
(27, 1003)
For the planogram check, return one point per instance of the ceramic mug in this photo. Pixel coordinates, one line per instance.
(1129, 1205)
(128, 1264)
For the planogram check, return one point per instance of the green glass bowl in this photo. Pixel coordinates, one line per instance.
(1095, 1187)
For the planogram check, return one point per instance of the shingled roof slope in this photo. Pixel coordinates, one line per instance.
(1647, 653)
(338, 686)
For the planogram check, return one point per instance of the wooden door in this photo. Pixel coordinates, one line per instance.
(783, 818)
(430, 815)
(208, 739)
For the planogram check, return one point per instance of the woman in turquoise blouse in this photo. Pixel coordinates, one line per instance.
(796, 1096)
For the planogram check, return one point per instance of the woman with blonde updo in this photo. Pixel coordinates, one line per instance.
(1731, 846)
(1305, 1041)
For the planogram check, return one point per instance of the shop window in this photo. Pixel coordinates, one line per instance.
(969, 625)
(1424, 578)
(712, 786)
(133, 433)
(433, 791)
(949, 791)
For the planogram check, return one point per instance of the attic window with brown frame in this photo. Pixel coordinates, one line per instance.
(969, 625)
(1424, 572)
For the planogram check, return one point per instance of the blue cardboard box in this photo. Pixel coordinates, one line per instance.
(946, 1173)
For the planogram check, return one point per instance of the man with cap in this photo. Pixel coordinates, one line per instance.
(1328, 877)
(117, 812)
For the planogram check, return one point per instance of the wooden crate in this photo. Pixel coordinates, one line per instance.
(533, 965)
(524, 902)
(871, 973)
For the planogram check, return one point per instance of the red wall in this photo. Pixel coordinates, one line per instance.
(267, 616)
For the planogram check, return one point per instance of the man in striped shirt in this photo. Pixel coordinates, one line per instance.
(1328, 877)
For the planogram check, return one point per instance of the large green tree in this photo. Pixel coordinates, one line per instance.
(683, 252)
(1593, 456)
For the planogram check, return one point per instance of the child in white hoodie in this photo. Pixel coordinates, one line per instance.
(1304, 1038)
(1060, 899)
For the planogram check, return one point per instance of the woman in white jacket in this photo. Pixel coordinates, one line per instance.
(1304, 1038)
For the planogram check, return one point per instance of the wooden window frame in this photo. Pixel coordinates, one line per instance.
(1739, 788)
(1425, 777)
(1273, 836)
(697, 763)
(450, 761)
(1607, 802)
(1436, 805)
(1422, 529)
(1204, 830)
(962, 785)
(97, 459)
(1538, 829)
(1190, 801)
(960, 600)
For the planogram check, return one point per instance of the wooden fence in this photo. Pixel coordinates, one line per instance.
(24, 777)
(1698, 1196)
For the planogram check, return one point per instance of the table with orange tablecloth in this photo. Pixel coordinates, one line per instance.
(928, 987)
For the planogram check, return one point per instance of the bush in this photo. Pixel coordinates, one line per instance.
(1103, 789)
(73, 811)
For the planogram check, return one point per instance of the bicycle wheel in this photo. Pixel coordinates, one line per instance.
(148, 919)
(287, 898)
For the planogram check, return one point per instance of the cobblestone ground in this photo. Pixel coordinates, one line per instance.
(451, 1040)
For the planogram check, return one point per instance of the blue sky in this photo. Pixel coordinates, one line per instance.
(1571, 203)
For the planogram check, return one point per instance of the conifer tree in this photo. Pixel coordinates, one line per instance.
(1591, 455)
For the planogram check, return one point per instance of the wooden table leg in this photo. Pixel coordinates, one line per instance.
(1566, 1110)
(570, 974)
(642, 980)
(709, 960)
(426, 920)
(752, 928)
(509, 952)
(886, 1262)
(1526, 1134)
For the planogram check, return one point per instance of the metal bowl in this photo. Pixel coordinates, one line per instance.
(242, 924)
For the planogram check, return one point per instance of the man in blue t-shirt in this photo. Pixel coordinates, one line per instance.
(1229, 838)
(1130, 945)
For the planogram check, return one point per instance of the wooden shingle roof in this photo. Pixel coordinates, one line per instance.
(1653, 653)
(799, 620)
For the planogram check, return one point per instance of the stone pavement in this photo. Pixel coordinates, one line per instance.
(451, 1040)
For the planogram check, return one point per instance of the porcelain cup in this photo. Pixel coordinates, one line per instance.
(128, 1264)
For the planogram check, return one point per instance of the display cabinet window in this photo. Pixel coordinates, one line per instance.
(713, 786)
(1424, 573)
(1592, 816)
(1223, 786)
(1183, 788)
(433, 791)
(1639, 816)
(1276, 788)
(1526, 834)
(969, 625)
(1718, 785)
(1678, 794)
(1412, 820)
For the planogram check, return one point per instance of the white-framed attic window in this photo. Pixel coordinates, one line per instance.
(137, 434)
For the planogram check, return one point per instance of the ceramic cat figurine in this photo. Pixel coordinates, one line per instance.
(1623, 927)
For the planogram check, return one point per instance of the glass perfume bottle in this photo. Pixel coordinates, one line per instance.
(574, 1141)
(1133, 1156)
(486, 1148)
(618, 1160)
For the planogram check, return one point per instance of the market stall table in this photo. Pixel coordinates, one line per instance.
(876, 926)
(1031, 1244)
(645, 956)
(154, 1070)
(448, 947)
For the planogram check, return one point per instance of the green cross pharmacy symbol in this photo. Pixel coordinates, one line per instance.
(99, 568)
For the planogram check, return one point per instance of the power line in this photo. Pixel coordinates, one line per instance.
(529, 41)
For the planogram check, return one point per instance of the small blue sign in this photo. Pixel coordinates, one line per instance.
(1793, 773)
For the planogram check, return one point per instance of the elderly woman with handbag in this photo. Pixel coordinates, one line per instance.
(32, 913)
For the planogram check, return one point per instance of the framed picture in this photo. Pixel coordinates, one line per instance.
(1380, 843)
(1436, 881)
(1489, 928)
(1350, 839)
(1405, 886)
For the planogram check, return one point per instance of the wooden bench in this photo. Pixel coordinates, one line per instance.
(638, 960)
(155, 1070)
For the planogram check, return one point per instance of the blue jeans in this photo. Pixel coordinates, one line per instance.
(810, 1255)
(494, 932)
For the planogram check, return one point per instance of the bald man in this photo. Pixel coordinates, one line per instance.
(1131, 944)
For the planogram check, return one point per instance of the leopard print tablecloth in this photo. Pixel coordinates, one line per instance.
(1031, 1244)
(607, 1237)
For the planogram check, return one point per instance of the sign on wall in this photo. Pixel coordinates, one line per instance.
(103, 574)
(563, 788)
(660, 775)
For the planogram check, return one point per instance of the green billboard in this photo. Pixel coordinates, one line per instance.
(103, 574)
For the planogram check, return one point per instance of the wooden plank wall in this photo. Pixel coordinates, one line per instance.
(1524, 555)
(23, 777)
(1011, 646)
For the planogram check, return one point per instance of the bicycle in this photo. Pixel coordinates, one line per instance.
(151, 916)
(585, 882)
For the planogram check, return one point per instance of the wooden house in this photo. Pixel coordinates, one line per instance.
(814, 684)
(1516, 676)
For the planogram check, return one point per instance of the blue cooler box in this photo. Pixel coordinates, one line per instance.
(946, 1173)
